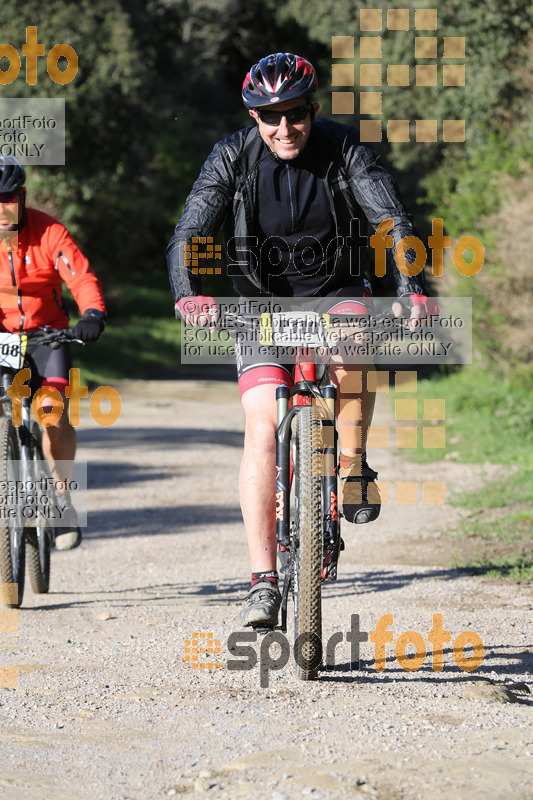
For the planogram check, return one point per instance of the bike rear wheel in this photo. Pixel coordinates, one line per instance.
(39, 538)
(307, 561)
(12, 542)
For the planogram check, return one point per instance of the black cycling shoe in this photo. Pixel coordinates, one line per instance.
(261, 606)
(361, 501)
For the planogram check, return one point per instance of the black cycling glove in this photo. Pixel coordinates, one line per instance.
(90, 327)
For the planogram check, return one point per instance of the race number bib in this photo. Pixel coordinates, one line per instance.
(12, 350)
(294, 328)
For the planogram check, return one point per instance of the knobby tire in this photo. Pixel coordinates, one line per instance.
(308, 550)
(38, 539)
(12, 564)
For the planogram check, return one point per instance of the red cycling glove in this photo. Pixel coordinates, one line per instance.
(428, 304)
(428, 308)
(199, 311)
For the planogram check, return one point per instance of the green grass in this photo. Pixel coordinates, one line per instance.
(488, 419)
(511, 490)
(515, 567)
(141, 340)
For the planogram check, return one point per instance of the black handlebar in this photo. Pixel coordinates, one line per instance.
(53, 337)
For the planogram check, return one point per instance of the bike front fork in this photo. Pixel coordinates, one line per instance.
(324, 409)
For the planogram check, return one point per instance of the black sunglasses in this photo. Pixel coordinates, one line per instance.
(273, 118)
(8, 197)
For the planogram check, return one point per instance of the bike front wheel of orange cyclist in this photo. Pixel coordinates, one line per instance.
(39, 537)
(307, 561)
(12, 542)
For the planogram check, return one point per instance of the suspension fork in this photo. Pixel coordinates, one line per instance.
(305, 370)
(283, 471)
(25, 431)
(329, 480)
(27, 475)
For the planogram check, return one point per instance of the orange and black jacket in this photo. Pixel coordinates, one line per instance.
(33, 265)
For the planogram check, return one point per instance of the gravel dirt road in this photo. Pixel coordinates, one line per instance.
(107, 707)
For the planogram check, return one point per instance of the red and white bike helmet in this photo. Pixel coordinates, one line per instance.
(276, 78)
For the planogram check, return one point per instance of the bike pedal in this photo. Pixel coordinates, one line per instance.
(262, 630)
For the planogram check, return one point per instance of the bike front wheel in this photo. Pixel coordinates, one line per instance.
(307, 561)
(12, 542)
(39, 538)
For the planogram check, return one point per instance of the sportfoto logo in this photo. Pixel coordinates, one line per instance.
(268, 254)
(33, 499)
(51, 398)
(31, 51)
(438, 62)
(275, 649)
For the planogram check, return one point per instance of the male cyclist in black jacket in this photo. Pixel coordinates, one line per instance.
(298, 180)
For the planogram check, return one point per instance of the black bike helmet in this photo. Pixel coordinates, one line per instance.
(12, 174)
(276, 78)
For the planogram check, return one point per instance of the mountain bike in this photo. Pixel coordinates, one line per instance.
(27, 496)
(307, 516)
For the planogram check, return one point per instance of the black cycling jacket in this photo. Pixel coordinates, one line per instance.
(358, 188)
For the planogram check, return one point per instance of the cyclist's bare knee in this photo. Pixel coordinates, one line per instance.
(259, 404)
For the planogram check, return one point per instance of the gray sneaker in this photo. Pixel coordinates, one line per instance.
(68, 534)
(261, 605)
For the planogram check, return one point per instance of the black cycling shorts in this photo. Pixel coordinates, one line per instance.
(48, 367)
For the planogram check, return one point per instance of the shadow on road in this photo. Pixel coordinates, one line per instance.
(157, 520)
(220, 593)
(384, 580)
(110, 474)
(116, 436)
(512, 660)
